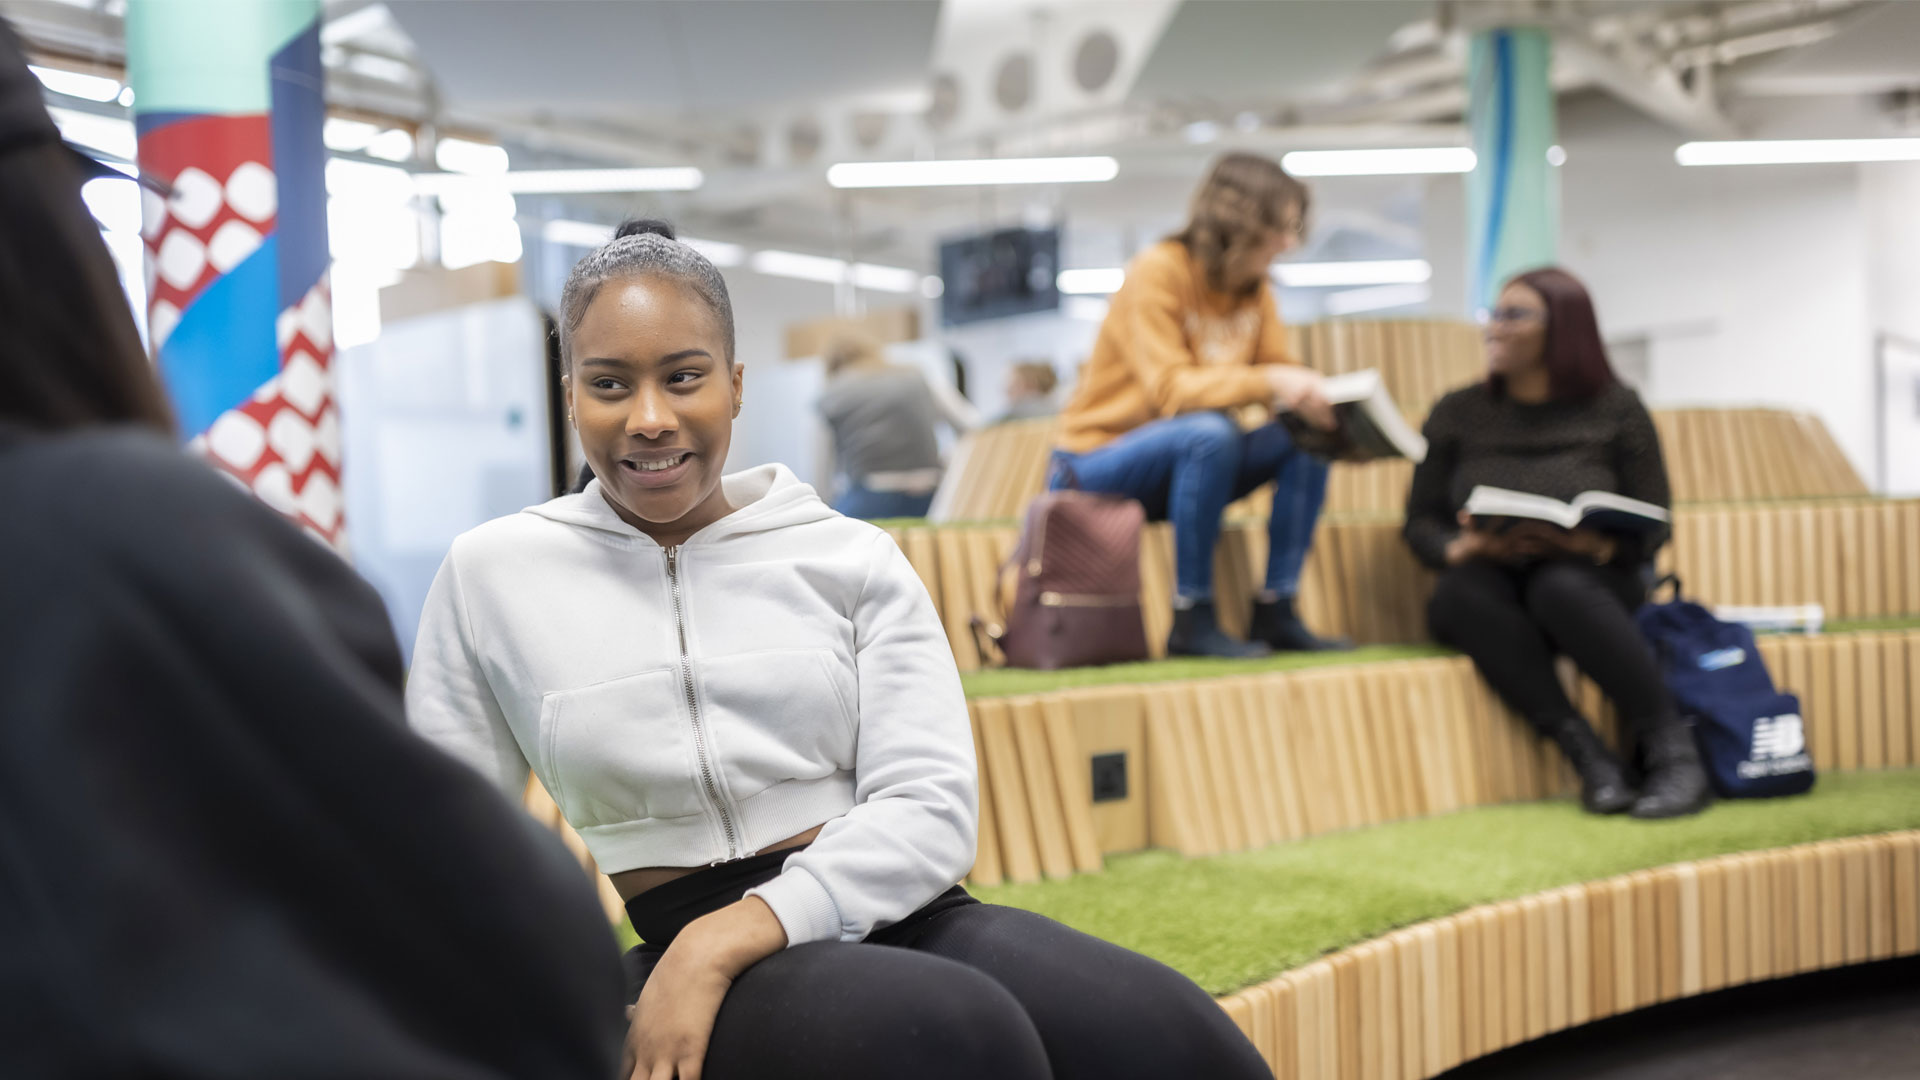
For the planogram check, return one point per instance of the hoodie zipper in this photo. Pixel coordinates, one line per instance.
(693, 706)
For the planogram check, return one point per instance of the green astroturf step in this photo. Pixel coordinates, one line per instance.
(1230, 921)
(1011, 682)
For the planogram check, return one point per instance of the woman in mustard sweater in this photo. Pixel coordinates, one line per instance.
(1192, 334)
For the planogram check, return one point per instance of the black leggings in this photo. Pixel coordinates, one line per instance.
(1513, 619)
(958, 989)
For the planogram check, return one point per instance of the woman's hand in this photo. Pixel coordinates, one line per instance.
(1298, 389)
(1473, 542)
(1584, 543)
(673, 1021)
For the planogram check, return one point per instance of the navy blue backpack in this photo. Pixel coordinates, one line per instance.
(1751, 738)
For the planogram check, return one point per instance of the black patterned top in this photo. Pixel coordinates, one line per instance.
(1557, 448)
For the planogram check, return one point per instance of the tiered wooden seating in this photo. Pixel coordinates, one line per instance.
(1730, 455)
(1232, 764)
(1427, 998)
(1858, 558)
(995, 471)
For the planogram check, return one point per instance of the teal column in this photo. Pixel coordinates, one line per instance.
(1513, 198)
(229, 107)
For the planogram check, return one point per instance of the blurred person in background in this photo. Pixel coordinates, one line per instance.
(882, 419)
(1193, 336)
(223, 852)
(1030, 389)
(1552, 419)
(747, 706)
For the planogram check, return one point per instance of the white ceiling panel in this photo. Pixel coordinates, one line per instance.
(667, 55)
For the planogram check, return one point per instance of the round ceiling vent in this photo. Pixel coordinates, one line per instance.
(1013, 85)
(1095, 61)
(803, 140)
(869, 128)
(945, 104)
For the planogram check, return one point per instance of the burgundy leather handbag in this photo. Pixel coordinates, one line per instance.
(1076, 598)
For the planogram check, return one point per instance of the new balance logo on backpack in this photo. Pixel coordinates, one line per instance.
(1779, 743)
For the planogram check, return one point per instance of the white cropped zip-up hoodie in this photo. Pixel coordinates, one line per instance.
(781, 669)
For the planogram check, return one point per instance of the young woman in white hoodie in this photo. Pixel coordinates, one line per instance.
(746, 706)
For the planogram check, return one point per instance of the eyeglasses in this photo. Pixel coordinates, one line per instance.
(1488, 317)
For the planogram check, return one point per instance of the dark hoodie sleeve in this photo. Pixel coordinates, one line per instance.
(223, 851)
(1642, 472)
(1430, 518)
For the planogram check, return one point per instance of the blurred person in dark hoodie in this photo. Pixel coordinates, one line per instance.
(222, 852)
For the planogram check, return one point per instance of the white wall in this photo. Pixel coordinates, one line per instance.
(1892, 198)
(1750, 285)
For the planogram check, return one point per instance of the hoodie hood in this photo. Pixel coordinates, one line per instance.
(765, 498)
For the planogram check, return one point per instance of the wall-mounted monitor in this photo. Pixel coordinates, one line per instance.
(992, 275)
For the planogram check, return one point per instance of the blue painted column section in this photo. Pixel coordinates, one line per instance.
(1513, 195)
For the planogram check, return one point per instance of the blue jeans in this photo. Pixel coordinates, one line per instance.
(1186, 469)
(870, 505)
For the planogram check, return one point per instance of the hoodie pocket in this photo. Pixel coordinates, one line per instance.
(778, 715)
(621, 750)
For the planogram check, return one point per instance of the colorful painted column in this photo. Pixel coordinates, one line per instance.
(1513, 196)
(229, 109)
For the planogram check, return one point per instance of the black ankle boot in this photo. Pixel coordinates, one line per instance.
(1603, 787)
(1277, 624)
(1676, 784)
(1197, 633)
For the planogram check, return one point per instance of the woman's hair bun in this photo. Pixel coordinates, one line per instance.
(643, 227)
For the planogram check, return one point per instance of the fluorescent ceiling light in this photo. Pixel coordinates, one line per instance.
(718, 252)
(793, 264)
(103, 133)
(1358, 272)
(1425, 159)
(467, 156)
(583, 234)
(75, 84)
(985, 171)
(348, 136)
(365, 182)
(1090, 282)
(893, 279)
(394, 144)
(567, 181)
(1375, 298)
(1797, 151)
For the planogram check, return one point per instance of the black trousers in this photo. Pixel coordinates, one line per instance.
(959, 989)
(1512, 620)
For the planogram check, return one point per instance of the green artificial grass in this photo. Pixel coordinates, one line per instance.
(1862, 626)
(1231, 921)
(1007, 682)
(1011, 682)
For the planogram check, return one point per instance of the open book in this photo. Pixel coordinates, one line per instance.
(1370, 424)
(1497, 508)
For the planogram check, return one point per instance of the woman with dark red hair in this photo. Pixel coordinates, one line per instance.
(1551, 419)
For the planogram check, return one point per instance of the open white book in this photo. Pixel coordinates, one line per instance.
(1493, 507)
(1370, 424)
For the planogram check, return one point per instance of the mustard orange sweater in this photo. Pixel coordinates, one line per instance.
(1171, 345)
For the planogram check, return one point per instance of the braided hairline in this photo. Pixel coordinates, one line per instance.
(639, 255)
